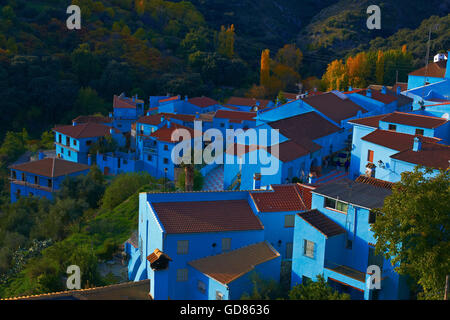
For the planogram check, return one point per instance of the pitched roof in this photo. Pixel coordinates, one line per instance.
(308, 125)
(435, 69)
(282, 198)
(133, 290)
(305, 193)
(291, 96)
(85, 130)
(250, 102)
(375, 182)
(431, 155)
(409, 119)
(229, 266)
(333, 106)
(153, 119)
(395, 140)
(92, 118)
(322, 223)
(360, 194)
(291, 150)
(416, 120)
(206, 216)
(165, 133)
(169, 99)
(50, 167)
(203, 102)
(237, 116)
(125, 102)
(377, 95)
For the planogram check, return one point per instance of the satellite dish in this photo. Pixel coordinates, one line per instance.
(446, 116)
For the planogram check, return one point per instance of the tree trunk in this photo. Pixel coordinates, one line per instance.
(189, 178)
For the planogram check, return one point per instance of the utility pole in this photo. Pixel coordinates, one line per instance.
(446, 288)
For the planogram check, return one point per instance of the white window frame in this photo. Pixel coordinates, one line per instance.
(307, 250)
(286, 224)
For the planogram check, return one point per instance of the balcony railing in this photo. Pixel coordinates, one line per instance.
(31, 185)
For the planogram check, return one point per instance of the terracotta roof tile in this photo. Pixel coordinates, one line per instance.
(375, 182)
(431, 155)
(394, 140)
(85, 130)
(415, 120)
(377, 95)
(50, 167)
(165, 134)
(153, 119)
(229, 266)
(206, 216)
(435, 69)
(321, 222)
(169, 99)
(305, 194)
(372, 121)
(125, 102)
(334, 107)
(235, 115)
(203, 102)
(250, 102)
(281, 198)
(92, 118)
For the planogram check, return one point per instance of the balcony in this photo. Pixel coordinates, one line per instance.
(30, 185)
(346, 275)
(152, 150)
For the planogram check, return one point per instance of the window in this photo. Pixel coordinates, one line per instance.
(182, 246)
(420, 132)
(67, 141)
(104, 158)
(226, 244)
(88, 142)
(289, 220)
(166, 161)
(14, 175)
(36, 180)
(348, 244)
(74, 142)
(370, 155)
(308, 248)
(149, 158)
(166, 147)
(336, 205)
(182, 275)
(23, 176)
(69, 153)
(392, 127)
(289, 247)
(372, 217)
(219, 295)
(59, 138)
(201, 286)
(49, 183)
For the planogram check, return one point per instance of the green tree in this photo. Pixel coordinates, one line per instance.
(316, 290)
(85, 64)
(413, 229)
(263, 289)
(198, 181)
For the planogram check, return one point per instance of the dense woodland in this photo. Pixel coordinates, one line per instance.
(49, 75)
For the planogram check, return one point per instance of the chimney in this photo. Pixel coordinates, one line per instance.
(89, 160)
(110, 114)
(417, 146)
(74, 123)
(168, 123)
(383, 90)
(148, 112)
(369, 93)
(350, 88)
(162, 118)
(196, 115)
(111, 130)
(398, 90)
(41, 155)
(185, 98)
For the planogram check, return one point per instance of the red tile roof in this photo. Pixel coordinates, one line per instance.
(250, 102)
(169, 99)
(290, 96)
(85, 130)
(229, 266)
(203, 102)
(155, 255)
(153, 119)
(375, 182)
(403, 86)
(334, 107)
(206, 216)
(409, 119)
(50, 167)
(165, 134)
(435, 69)
(92, 118)
(416, 120)
(291, 150)
(322, 223)
(125, 102)
(377, 95)
(431, 155)
(305, 194)
(179, 116)
(282, 198)
(308, 125)
(235, 115)
(394, 140)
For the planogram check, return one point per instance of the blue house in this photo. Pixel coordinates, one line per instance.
(187, 106)
(380, 101)
(43, 177)
(433, 73)
(305, 141)
(382, 144)
(126, 111)
(73, 142)
(185, 227)
(224, 119)
(248, 104)
(335, 239)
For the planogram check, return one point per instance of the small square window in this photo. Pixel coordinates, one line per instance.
(226, 244)
(419, 132)
(392, 127)
(289, 220)
(166, 147)
(182, 246)
(308, 248)
(166, 161)
(372, 217)
(201, 286)
(348, 244)
(182, 275)
(149, 158)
